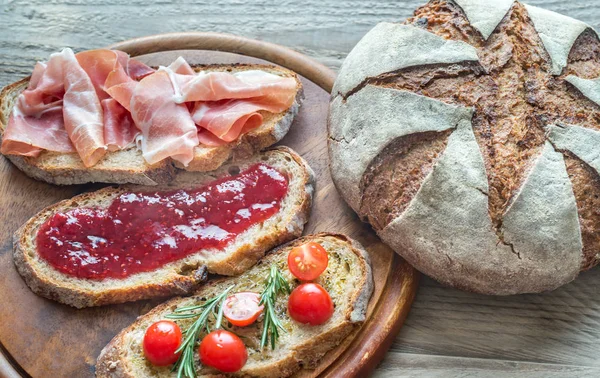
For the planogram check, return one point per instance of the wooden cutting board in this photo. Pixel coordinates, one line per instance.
(41, 338)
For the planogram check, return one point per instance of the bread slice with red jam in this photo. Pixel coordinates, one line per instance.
(347, 280)
(126, 243)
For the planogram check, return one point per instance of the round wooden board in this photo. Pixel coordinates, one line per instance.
(41, 338)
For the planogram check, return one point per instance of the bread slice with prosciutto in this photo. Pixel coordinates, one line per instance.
(151, 119)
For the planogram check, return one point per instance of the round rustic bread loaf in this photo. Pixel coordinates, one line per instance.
(469, 137)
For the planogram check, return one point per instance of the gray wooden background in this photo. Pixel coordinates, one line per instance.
(448, 332)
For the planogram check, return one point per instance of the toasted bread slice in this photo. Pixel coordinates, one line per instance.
(128, 165)
(181, 276)
(347, 278)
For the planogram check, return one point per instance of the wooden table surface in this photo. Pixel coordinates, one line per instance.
(448, 332)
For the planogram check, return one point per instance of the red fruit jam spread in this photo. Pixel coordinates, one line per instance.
(142, 231)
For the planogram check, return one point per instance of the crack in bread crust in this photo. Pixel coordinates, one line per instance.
(586, 187)
(510, 139)
(515, 96)
(394, 177)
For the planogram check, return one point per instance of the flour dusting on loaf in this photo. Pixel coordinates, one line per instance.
(505, 203)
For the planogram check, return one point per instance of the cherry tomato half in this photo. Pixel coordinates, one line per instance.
(311, 304)
(242, 309)
(161, 341)
(308, 261)
(224, 351)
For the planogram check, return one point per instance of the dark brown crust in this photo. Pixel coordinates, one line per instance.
(446, 20)
(586, 187)
(515, 96)
(394, 177)
(110, 363)
(583, 58)
(236, 263)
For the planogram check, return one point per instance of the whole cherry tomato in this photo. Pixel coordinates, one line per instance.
(161, 341)
(224, 351)
(242, 309)
(311, 304)
(308, 261)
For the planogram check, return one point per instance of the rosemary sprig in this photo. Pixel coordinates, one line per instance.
(185, 363)
(275, 284)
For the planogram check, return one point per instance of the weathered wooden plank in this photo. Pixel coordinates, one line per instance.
(562, 326)
(421, 365)
(326, 30)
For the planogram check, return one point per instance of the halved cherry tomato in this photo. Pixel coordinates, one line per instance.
(224, 351)
(308, 261)
(311, 304)
(161, 341)
(242, 309)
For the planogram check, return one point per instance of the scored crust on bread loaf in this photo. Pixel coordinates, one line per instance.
(128, 165)
(184, 275)
(476, 157)
(348, 280)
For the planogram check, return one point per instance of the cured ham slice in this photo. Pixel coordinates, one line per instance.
(167, 127)
(227, 119)
(275, 90)
(98, 64)
(34, 124)
(82, 111)
(137, 70)
(114, 76)
(102, 64)
(227, 105)
(119, 129)
(113, 73)
(45, 90)
(24, 133)
(180, 66)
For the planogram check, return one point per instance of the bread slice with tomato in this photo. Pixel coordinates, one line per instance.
(179, 276)
(347, 279)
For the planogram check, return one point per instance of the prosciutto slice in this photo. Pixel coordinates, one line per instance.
(102, 64)
(34, 123)
(226, 119)
(167, 127)
(82, 111)
(119, 129)
(26, 135)
(276, 90)
(180, 66)
(114, 76)
(227, 105)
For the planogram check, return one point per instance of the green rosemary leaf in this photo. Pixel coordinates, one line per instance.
(185, 363)
(276, 284)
